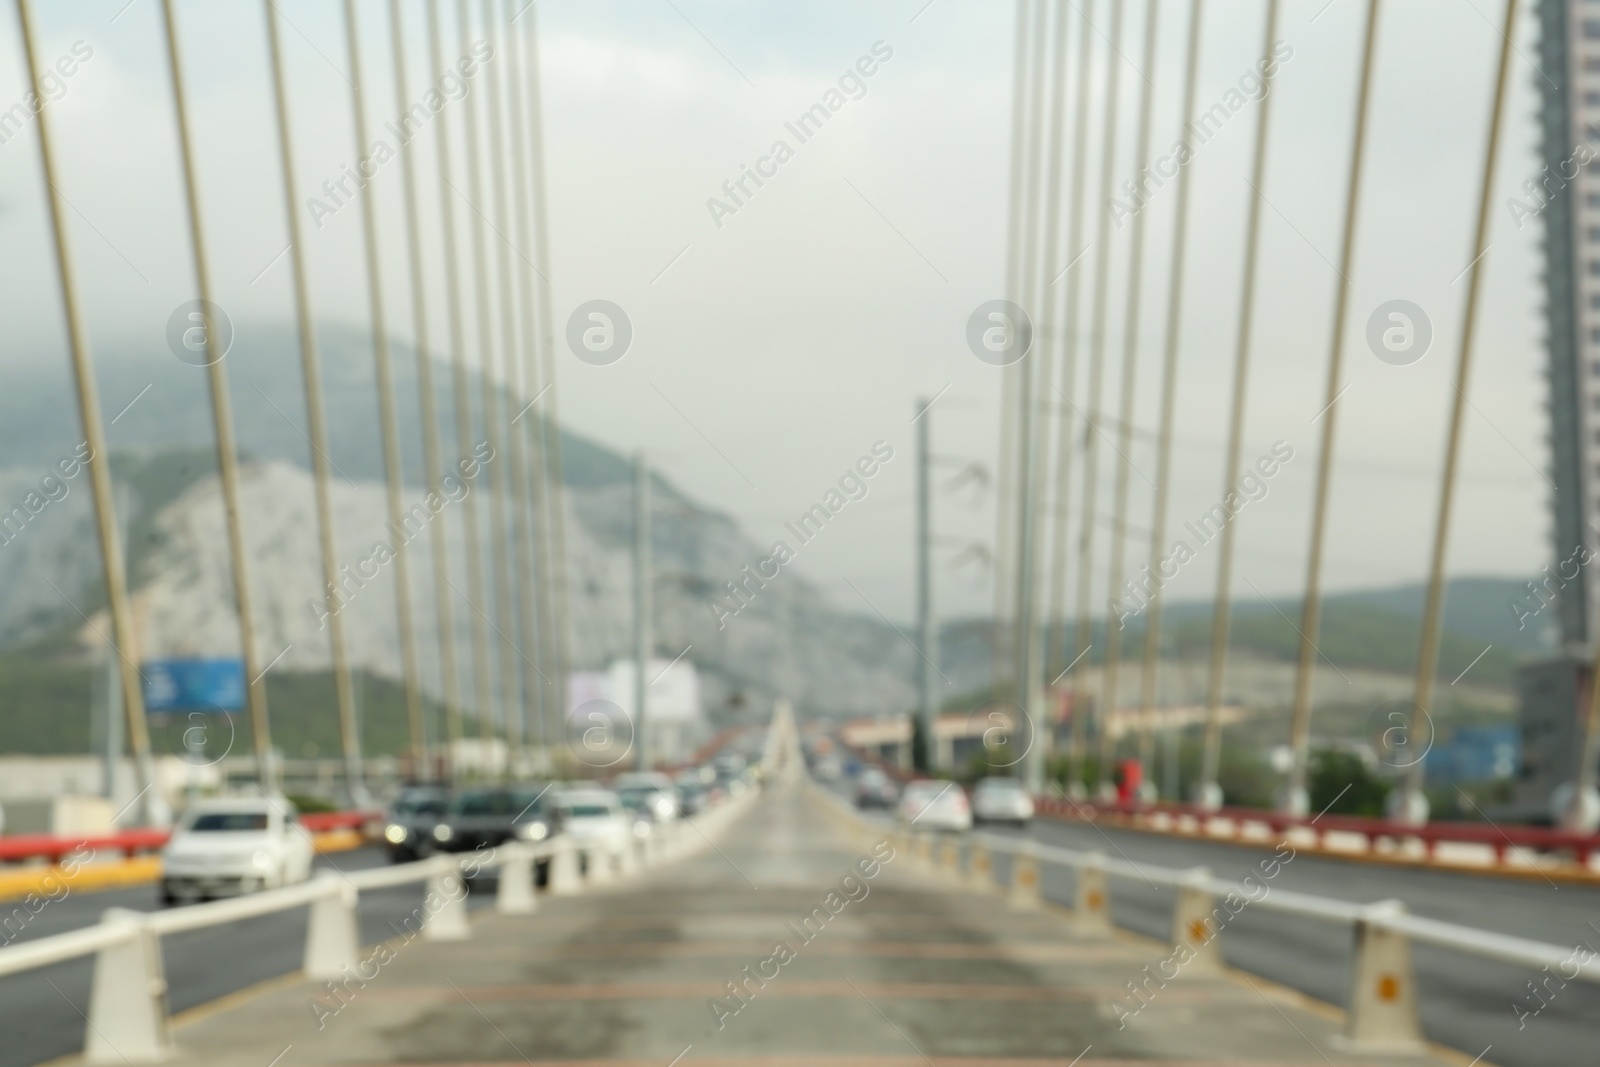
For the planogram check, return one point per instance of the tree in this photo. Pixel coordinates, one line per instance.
(1342, 783)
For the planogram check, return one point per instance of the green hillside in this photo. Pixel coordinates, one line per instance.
(1368, 630)
(45, 703)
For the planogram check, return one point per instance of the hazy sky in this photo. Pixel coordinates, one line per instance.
(772, 350)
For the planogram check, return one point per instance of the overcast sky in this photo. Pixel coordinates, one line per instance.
(771, 351)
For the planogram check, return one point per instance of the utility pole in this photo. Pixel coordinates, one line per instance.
(641, 607)
(925, 757)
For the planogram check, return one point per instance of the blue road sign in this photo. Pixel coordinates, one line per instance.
(194, 685)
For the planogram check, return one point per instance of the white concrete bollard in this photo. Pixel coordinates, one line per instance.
(1383, 994)
(661, 841)
(446, 903)
(128, 1001)
(628, 859)
(924, 848)
(1023, 891)
(1193, 925)
(333, 937)
(950, 860)
(1091, 911)
(564, 879)
(597, 866)
(515, 895)
(980, 870)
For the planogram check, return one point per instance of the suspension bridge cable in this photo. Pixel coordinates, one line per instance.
(311, 372)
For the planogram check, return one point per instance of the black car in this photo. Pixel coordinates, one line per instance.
(487, 816)
(412, 817)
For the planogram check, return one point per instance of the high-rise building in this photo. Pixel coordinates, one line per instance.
(1553, 692)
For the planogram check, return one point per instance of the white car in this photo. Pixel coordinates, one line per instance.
(1001, 800)
(228, 847)
(595, 818)
(932, 805)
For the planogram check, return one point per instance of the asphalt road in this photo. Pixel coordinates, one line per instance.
(1474, 1005)
(790, 942)
(42, 1011)
(1470, 1004)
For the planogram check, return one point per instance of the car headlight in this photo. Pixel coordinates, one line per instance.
(442, 832)
(261, 861)
(395, 834)
(533, 831)
(642, 828)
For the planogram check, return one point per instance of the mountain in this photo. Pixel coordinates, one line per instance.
(789, 641)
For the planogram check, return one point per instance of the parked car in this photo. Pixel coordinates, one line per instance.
(1001, 800)
(232, 846)
(875, 789)
(408, 831)
(490, 816)
(935, 805)
(595, 818)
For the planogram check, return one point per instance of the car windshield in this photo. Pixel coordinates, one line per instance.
(1000, 785)
(928, 790)
(485, 802)
(229, 822)
(585, 811)
(419, 805)
(529, 802)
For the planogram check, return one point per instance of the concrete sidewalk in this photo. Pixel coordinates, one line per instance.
(782, 945)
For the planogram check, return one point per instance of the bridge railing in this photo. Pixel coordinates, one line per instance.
(1498, 839)
(1382, 1012)
(53, 848)
(127, 1017)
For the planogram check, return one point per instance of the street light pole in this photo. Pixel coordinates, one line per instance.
(641, 608)
(927, 758)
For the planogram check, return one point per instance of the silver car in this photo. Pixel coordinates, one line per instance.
(1001, 800)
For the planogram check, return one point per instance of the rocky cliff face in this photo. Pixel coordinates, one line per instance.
(787, 642)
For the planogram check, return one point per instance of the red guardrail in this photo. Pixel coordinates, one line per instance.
(1499, 837)
(18, 847)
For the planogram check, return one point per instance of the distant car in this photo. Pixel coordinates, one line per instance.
(932, 805)
(408, 831)
(827, 769)
(642, 780)
(875, 789)
(729, 767)
(1001, 800)
(649, 802)
(651, 795)
(693, 791)
(692, 798)
(595, 818)
(490, 816)
(230, 847)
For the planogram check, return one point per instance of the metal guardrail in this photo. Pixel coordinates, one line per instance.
(127, 1018)
(1500, 839)
(1382, 1014)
